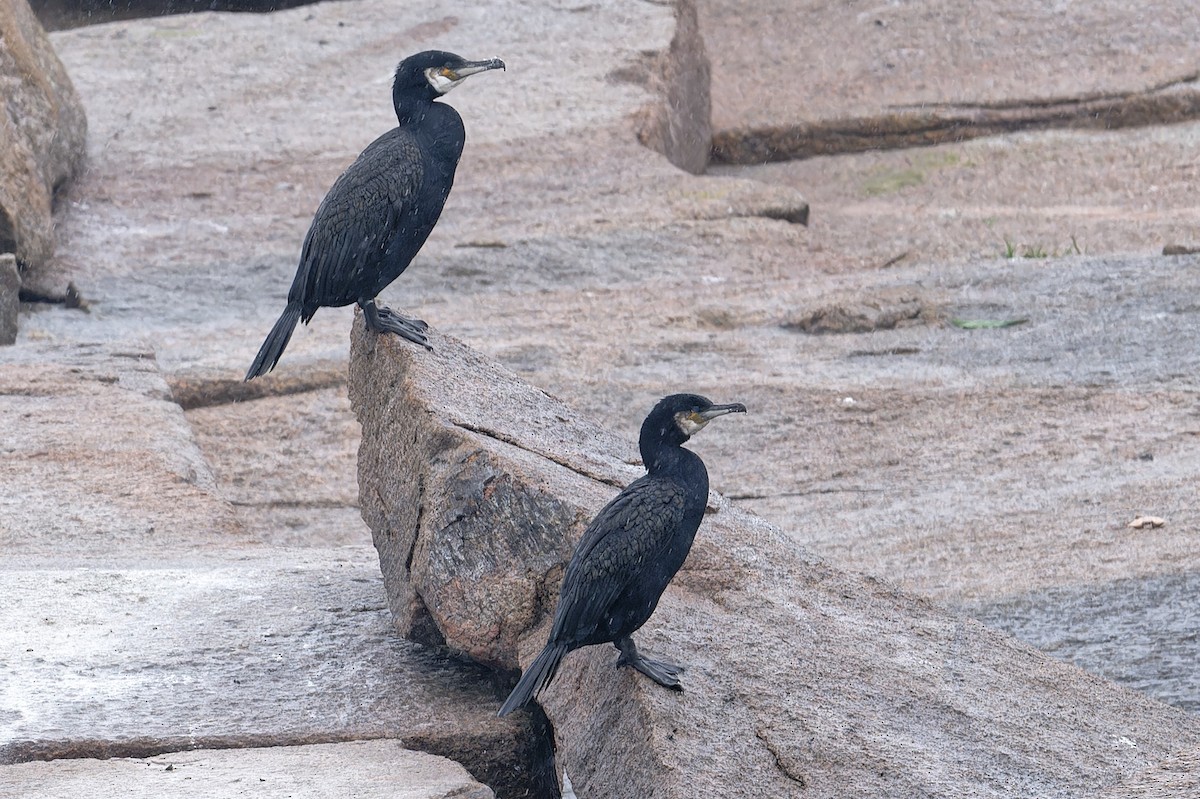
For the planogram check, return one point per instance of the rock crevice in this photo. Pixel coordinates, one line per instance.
(928, 124)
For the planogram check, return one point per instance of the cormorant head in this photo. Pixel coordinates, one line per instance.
(428, 75)
(677, 418)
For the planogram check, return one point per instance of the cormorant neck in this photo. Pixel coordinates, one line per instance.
(411, 104)
(659, 455)
(679, 465)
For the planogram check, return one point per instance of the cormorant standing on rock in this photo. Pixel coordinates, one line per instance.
(632, 549)
(383, 207)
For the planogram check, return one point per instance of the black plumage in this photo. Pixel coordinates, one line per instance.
(632, 549)
(378, 214)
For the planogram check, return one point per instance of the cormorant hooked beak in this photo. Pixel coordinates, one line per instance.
(474, 67)
(692, 422)
(445, 78)
(720, 410)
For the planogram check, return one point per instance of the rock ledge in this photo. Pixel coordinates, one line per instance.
(476, 486)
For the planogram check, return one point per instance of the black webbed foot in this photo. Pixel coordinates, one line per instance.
(381, 319)
(664, 673)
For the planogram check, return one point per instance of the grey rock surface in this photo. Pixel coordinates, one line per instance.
(10, 298)
(361, 769)
(1177, 776)
(267, 650)
(801, 678)
(1037, 197)
(985, 466)
(470, 549)
(43, 134)
(287, 464)
(99, 462)
(680, 125)
(1137, 631)
(937, 71)
(149, 608)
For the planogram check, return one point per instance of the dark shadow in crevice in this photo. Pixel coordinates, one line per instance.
(544, 768)
(1173, 101)
(64, 14)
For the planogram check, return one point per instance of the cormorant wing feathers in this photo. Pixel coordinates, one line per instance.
(358, 220)
(637, 527)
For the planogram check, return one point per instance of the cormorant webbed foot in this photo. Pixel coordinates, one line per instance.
(382, 319)
(664, 673)
(386, 314)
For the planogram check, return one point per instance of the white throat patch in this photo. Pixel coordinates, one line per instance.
(689, 423)
(440, 83)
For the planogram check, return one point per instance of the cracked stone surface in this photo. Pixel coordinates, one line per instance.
(795, 81)
(800, 677)
(151, 608)
(363, 769)
(982, 468)
(238, 593)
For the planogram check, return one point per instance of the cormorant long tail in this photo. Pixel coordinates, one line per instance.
(539, 674)
(277, 340)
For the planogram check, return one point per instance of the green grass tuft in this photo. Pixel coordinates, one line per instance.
(986, 324)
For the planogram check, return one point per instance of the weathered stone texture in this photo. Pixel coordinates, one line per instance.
(679, 125)
(1174, 778)
(43, 134)
(797, 82)
(10, 298)
(450, 523)
(98, 462)
(143, 615)
(361, 769)
(802, 679)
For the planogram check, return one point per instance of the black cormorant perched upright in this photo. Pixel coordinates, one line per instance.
(632, 549)
(380, 211)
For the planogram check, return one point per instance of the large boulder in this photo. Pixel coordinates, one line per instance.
(43, 134)
(800, 675)
(680, 127)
